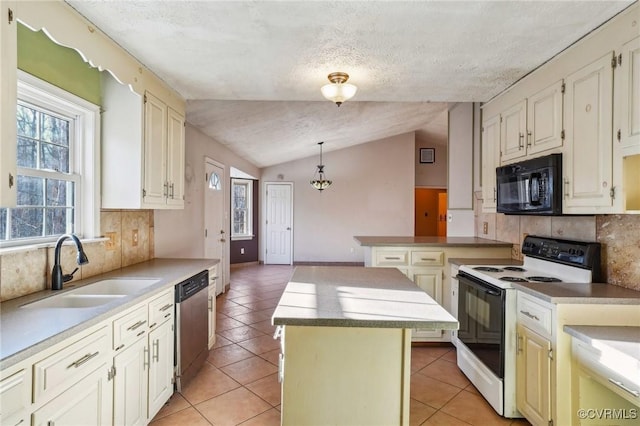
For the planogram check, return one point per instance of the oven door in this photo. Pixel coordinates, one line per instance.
(481, 308)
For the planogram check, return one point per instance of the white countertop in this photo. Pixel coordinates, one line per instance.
(580, 293)
(614, 340)
(25, 332)
(353, 296)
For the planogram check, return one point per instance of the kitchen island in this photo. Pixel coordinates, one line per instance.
(425, 261)
(346, 344)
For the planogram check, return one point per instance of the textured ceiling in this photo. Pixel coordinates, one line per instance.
(237, 61)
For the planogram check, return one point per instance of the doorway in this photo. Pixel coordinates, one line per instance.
(430, 212)
(214, 214)
(278, 223)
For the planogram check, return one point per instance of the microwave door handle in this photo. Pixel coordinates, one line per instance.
(534, 189)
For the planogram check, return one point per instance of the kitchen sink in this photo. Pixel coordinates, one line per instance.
(94, 294)
(116, 286)
(75, 301)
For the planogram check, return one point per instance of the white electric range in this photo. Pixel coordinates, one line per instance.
(486, 348)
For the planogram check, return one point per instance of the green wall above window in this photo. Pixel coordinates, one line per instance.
(58, 65)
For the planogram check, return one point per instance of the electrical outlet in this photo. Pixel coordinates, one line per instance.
(485, 228)
(134, 238)
(242, 250)
(110, 244)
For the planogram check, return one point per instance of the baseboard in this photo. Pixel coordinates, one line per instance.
(243, 264)
(328, 263)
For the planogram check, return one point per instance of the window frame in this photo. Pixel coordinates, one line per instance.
(249, 209)
(84, 153)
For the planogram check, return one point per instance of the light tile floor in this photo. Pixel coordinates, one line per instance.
(238, 384)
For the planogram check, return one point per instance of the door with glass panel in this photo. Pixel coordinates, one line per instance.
(214, 234)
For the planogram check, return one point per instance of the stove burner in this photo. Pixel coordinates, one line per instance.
(514, 269)
(487, 269)
(513, 279)
(545, 279)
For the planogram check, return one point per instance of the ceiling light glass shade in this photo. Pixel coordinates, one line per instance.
(319, 181)
(338, 90)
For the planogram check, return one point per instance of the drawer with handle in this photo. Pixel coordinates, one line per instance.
(161, 308)
(129, 327)
(427, 258)
(62, 369)
(391, 257)
(534, 314)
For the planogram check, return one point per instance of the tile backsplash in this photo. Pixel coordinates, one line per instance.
(27, 271)
(618, 234)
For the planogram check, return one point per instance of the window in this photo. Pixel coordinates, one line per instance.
(241, 209)
(57, 180)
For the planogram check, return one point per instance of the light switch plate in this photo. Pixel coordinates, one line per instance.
(134, 238)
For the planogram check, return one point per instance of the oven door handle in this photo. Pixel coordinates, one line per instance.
(478, 286)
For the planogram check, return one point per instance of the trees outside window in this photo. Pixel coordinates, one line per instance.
(241, 209)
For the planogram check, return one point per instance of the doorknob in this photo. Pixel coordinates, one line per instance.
(222, 240)
(288, 228)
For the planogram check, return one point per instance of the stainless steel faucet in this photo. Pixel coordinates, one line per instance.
(57, 277)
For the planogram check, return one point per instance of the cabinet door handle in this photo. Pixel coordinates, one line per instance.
(156, 350)
(171, 187)
(165, 191)
(165, 307)
(392, 258)
(530, 315)
(518, 343)
(146, 358)
(624, 388)
(566, 187)
(529, 138)
(521, 141)
(495, 194)
(210, 303)
(82, 360)
(428, 259)
(137, 325)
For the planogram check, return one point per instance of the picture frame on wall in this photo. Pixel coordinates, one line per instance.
(427, 155)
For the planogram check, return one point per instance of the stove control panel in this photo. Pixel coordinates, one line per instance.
(574, 253)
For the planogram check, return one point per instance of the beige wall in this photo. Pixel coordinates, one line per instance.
(435, 136)
(180, 233)
(372, 194)
(27, 271)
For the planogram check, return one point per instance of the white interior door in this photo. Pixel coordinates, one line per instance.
(215, 238)
(279, 224)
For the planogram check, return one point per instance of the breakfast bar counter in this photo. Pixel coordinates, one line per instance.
(346, 344)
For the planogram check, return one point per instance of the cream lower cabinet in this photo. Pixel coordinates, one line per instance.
(15, 398)
(544, 359)
(130, 385)
(430, 280)
(161, 349)
(533, 363)
(426, 266)
(88, 402)
(213, 278)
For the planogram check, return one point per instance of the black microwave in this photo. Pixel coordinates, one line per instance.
(530, 187)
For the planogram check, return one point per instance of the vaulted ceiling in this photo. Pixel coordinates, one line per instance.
(251, 71)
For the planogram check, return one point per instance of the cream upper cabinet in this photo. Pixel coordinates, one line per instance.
(490, 160)
(8, 94)
(144, 136)
(587, 163)
(628, 98)
(544, 119)
(533, 125)
(513, 127)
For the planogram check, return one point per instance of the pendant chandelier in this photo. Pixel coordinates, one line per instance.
(338, 90)
(319, 182)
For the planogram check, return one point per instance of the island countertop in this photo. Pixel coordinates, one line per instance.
(352, 296)
(429, 241)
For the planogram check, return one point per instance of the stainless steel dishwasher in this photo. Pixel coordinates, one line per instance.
(192, 327)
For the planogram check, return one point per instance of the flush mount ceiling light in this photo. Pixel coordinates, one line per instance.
(338, 90)
(319, 182)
